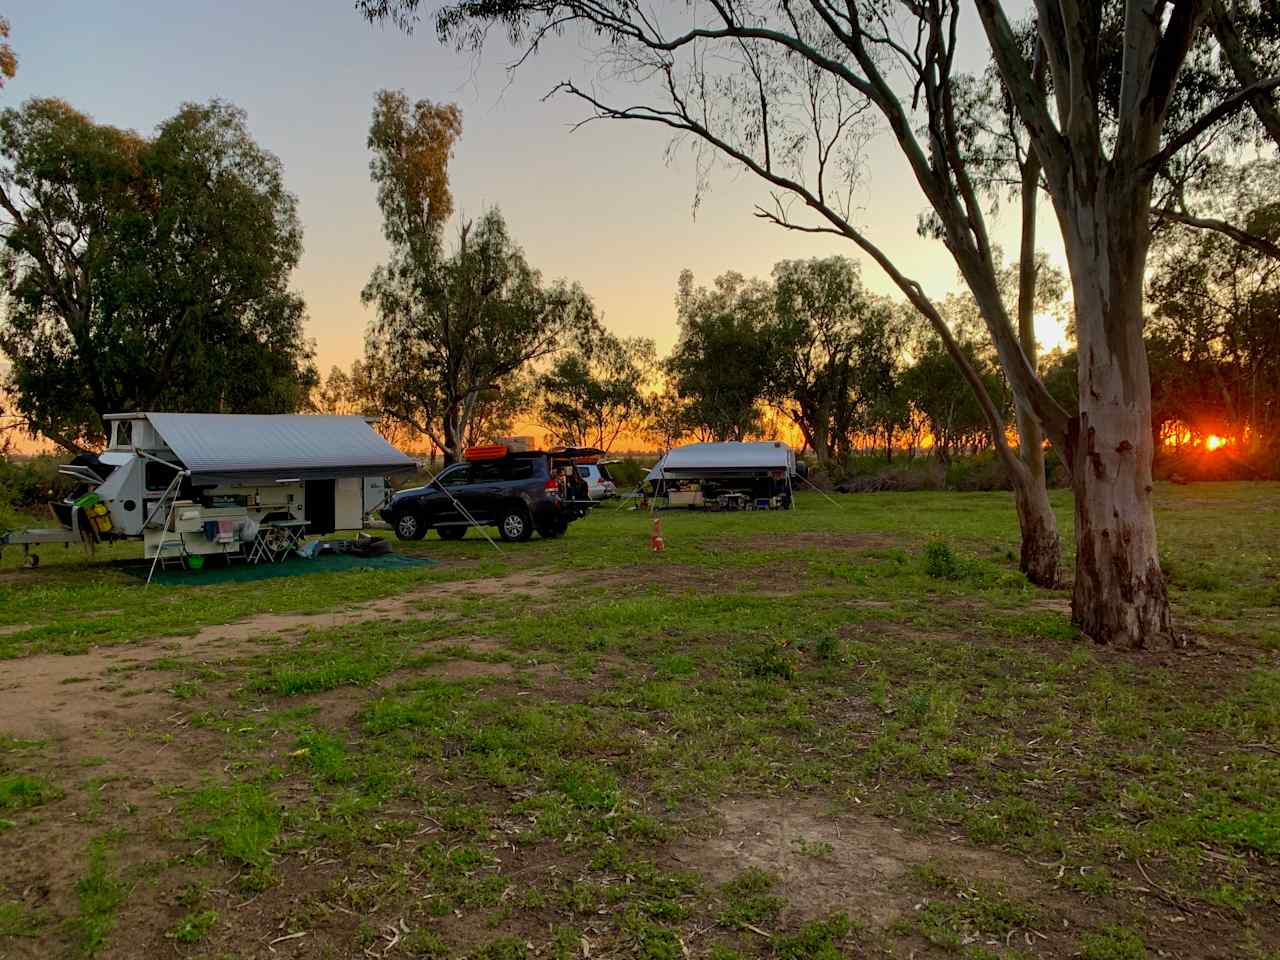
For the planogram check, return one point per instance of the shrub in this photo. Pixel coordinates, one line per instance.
(939, 562)
(30, 481)
(628, 472)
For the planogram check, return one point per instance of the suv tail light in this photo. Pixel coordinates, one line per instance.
(553, 483)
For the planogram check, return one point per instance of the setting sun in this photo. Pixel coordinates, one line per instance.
(1213, 442)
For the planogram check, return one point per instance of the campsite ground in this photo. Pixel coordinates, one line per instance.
(793, 736)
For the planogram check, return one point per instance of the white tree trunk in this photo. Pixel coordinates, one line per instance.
(1120, 594)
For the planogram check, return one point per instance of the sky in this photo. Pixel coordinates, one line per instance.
(602, 205)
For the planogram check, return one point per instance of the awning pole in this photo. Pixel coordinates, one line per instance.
(463, 510)
(662, 475)
(821, 491)
(164, 531)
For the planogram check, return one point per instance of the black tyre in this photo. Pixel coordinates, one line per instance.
(451, 533)
(514, 524)
(409, 526)
(553, 530)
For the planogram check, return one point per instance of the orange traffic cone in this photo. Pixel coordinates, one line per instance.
(656, 543)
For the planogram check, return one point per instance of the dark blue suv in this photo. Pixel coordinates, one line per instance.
(518, 493)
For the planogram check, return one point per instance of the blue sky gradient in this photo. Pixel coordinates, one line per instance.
(600, 205)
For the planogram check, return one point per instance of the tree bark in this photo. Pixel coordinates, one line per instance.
(451, 437)
(1120, 595)
(1041, 554)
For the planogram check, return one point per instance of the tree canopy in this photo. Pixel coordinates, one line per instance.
(722, 363)
(453, 328)
(598, 390)
(145, 273)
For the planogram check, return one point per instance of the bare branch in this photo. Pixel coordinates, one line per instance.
(1224, 30)
(1243, 237)
(1222, 111)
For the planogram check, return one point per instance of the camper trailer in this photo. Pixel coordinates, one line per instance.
(208, 484)
(724, 476)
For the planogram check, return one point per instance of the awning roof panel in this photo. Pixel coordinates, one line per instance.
(219, 448)
(723, 459)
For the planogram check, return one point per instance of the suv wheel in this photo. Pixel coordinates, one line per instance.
(409, 526)
(554, 530)
(451, 533)
(514, 524)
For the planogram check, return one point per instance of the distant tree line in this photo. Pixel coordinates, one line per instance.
(152, 272)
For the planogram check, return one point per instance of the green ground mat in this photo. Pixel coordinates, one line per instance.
(216, 570)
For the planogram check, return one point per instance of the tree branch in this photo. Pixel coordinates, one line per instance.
(1224, 30)
(1243, 237)
(1151, 166)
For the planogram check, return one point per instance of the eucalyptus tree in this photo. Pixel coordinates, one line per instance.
(597, 391)
(145, 273)
(723, 361)
(452, 325)
(786, 90)
(835, 349)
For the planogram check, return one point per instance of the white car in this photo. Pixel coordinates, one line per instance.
(600, 485)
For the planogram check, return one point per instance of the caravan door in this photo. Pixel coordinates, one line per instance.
(348, 504)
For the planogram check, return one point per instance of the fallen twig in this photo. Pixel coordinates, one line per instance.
(1160, 891)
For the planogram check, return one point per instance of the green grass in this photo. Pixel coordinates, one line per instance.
(512, 773)
(99, 894)
(195, 926)
(20, 791)
(243, 821)
(18, 922)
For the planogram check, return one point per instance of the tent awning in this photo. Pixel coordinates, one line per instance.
(731, 459)
(246, 448)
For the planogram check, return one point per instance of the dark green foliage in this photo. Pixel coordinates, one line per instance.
(721, 366)
(939, 562)
(595, 392)
(768, 661)
(178, 295)
(452, 326)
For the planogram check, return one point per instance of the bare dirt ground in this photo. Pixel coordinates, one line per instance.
(53, 695)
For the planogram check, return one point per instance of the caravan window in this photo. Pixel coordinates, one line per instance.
(124, 434)
(159, 476)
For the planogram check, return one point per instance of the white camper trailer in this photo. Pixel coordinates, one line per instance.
(730, 475)
(233, 484)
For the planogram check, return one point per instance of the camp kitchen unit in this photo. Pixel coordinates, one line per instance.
(724, 476)
(235, 484)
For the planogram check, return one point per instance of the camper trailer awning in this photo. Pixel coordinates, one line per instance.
(239, 448)
(723, 460)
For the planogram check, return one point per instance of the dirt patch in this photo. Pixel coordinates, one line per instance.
(405, 606)
(826, 864)
(51, 695)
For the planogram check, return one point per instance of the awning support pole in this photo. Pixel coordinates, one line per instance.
(164, 530)
(821, 491)
(463, 510)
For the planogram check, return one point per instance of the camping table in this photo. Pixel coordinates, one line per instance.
(275, 539)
